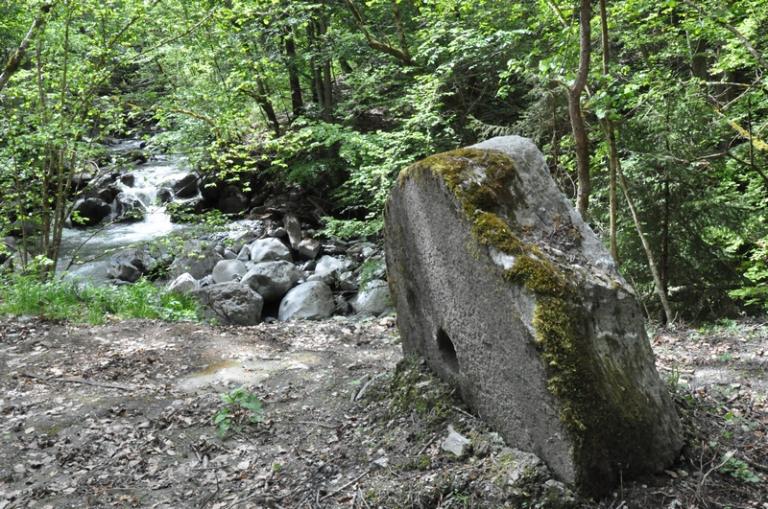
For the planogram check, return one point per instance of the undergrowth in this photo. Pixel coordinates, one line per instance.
(66, 300)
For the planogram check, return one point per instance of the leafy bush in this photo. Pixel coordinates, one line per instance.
(66, 300)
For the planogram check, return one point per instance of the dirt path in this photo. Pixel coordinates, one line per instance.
(121, 416)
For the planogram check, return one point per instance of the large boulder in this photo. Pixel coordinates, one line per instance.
(231, 303)
(89, 212)
(511, 297)
(228, 270)
(272, 280)
(308, 301)
(269, 249)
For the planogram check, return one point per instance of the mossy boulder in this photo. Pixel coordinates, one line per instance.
(511, 297)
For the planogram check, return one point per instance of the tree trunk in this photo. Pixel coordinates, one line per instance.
(297, 101)
(578, 126)
(648, 252)
(262, 97)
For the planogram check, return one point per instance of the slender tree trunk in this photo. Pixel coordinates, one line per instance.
(297, 101)
(665, 241)
(578, 126)
(262, 97)
(647, 248)
(610, 134)
(327, 79)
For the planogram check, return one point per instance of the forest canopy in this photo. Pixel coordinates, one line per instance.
(653, 115)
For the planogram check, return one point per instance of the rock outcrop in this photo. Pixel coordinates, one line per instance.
(512, 298)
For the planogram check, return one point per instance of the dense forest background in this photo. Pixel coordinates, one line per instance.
(652, 114)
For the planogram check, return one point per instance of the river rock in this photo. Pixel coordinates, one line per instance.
(129, 209)
(330, 265)
(373, 298)
(184, 284)
(91, 211)
(198, 258)
(129, 265)
(269, 249)
(231, 303)
(164, 195)
(293, 228)
(186, 186)
(228, 270)
(309, 248)
(272, 280)
(308, 301)
(511, 297)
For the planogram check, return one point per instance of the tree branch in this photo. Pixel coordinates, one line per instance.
(17, 56)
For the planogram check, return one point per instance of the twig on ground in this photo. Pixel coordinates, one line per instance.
(345, 486)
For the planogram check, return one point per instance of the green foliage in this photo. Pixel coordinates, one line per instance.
(739, 470)
(351, 228)
(240, 407)
(66, 300)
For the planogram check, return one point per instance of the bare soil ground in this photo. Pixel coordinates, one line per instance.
(121, 415)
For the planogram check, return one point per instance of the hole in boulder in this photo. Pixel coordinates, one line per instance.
(447, 350)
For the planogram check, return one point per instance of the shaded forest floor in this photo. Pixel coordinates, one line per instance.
(121, 415)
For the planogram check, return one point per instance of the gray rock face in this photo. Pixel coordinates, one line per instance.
(329, 265)
(198, 258)
(308, 301)
(373, 299)
(270, 249)
(183, 284)
(231, 303)
(228, 270)
(272, 280)
(540, 334)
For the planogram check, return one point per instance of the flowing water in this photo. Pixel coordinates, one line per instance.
(92, 247)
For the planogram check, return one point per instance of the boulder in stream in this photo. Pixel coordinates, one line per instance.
(186, 186)
(511, 297)
(90, 212)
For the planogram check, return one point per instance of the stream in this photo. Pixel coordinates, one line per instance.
(93, 247)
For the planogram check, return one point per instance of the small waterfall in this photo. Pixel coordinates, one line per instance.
(100, 241)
